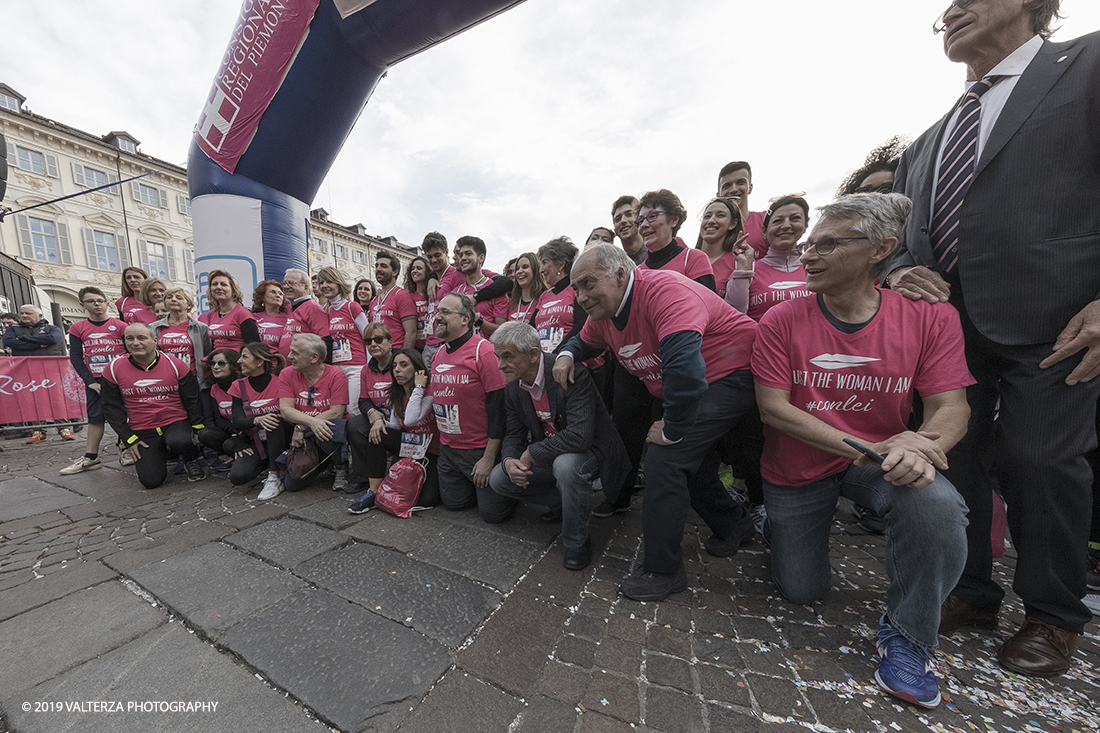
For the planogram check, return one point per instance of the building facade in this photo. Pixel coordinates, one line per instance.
(91, 238)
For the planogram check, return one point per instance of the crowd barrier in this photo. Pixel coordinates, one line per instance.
(38, 390)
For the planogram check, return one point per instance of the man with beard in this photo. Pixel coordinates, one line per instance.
(393, 305)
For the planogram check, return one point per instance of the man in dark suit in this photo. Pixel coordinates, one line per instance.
(1006, 226)
(557, 441)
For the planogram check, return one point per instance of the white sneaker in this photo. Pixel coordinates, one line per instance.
(80, 465)
(340, 478)
(273, 486)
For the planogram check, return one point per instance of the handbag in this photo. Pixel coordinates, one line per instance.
(401, 488)
(303, 462)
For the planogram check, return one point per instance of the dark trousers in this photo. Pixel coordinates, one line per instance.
(685, 475)
(176, 437)
(215, 439)
(1043, 431)
(634, 410)
(370, 460)
(457, 489)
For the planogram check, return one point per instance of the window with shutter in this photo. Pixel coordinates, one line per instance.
(143, 257)
(135, 190)
(170, 258)
(26, 245)
(123, 253)
(63, 243)
(163, 198)
(78, 175)
(51, 166)
(90, 248)
(189, 266)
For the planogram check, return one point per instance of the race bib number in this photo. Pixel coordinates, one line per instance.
(414, 445)
(550, 338)
(446, 418)
(341, 351)
(98, 362)
(421, 328)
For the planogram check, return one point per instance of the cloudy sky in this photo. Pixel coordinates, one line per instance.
(530, 125)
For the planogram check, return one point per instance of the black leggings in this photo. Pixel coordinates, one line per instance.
(249, 466)
(176, 437)
(378, 454)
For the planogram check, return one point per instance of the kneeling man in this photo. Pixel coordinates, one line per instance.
(557, 441)
(844, 364)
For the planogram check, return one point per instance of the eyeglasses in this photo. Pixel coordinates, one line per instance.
(650, 217)
(795, 195)
(94, 301)
(310, 394)
(825, 245)
(941, 25)
(219, 364)
(380, 339)
(445, 312)
(880, 188)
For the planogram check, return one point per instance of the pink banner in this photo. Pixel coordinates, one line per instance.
(40, 388)
(264, 42)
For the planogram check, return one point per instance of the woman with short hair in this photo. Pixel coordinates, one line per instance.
(660, 216)
(180, 335)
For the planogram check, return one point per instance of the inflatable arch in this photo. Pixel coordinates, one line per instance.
(292, 83)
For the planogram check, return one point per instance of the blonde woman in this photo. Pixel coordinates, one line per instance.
(231, 324)
(346, 323)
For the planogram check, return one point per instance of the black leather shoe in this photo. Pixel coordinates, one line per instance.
(1038, 650)
(578, 558)
(648, 586)
(956, 613)
(551, 517)
(742, 533)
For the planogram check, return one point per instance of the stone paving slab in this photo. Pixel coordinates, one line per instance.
(287, 542)
(74, 577)
(215, 586)
(515, 644)
(524, 523)
(463, 703)
(28, 497)
(386, 530)
(355, 668)
(166, 664)
(332, 513)
(194, 534)
(258, 514)
(438, 603)
(104, 483)
(68, 631)
(490, 557)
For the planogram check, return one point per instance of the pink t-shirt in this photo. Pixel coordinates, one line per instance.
(225, 331)
(175, 340)
(554, 317)
(451, 280)
(692, 263)
(664, 303)
(424, 312)
(861, 383)
(770, 287)
(142, 314)
(331, 389)
(348, 348)
(723, 268)
(542, 412)
(223, 400)
(306, 318)
(392, 308)
(101, 343)
(151, 396)
(271, 328)
(427, 426)
(126, 306)
(754, 225)
(263, 403)
(522, 312)
(459, 384)
(375, 386)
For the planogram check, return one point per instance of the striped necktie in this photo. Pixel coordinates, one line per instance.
(956, 174)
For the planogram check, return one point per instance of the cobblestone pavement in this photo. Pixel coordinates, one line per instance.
(294, 615)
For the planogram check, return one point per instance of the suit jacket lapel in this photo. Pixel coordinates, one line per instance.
(1033, 86)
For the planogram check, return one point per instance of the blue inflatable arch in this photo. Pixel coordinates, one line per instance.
(293, 80)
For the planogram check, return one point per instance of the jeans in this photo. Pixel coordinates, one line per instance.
(925, 542)
(567, 484)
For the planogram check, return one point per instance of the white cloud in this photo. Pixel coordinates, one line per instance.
(529, 125)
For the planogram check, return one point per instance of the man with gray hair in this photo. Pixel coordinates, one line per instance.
(306, 316)
(35, 336)
(1021, 263)
(835, 378)
(692, 351)
(555, 443)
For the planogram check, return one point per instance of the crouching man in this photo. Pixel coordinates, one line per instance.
(556, 442)
(844, 364)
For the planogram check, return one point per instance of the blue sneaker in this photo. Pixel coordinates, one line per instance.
(905, 669)
(364, 505)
